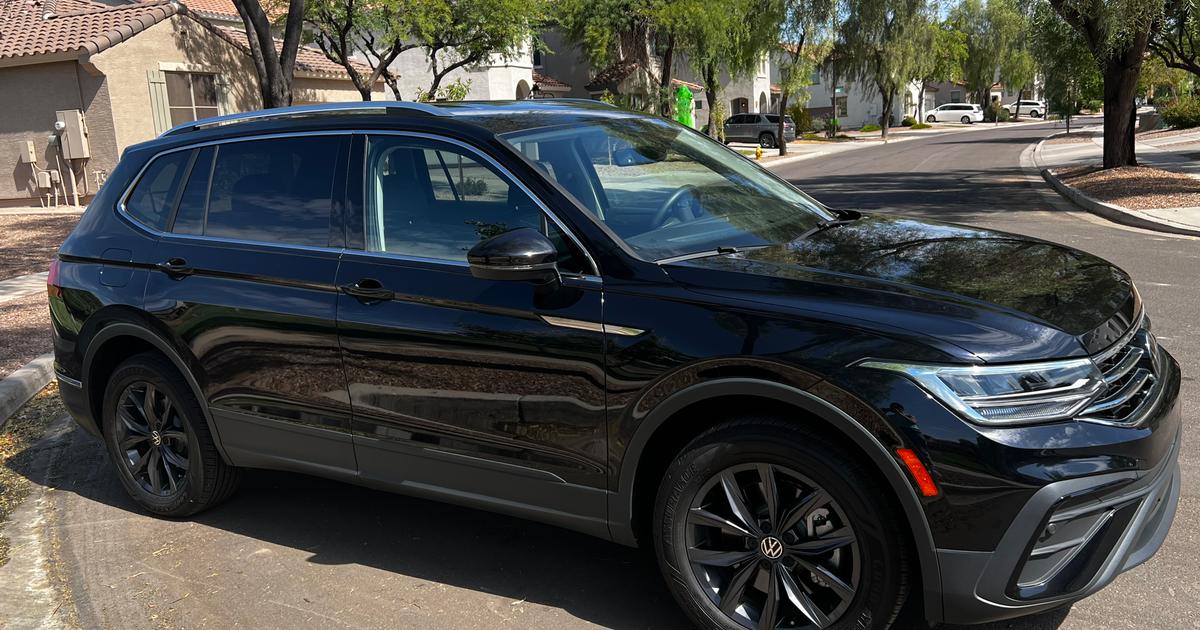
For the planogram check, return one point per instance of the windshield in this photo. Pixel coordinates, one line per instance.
(666, 190)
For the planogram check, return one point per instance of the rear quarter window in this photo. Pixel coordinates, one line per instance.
(153, 197)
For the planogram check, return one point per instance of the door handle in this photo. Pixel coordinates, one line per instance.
(175, 267)
(368, 290)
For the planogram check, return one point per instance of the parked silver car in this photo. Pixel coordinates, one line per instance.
(965, 113)
(760, 128)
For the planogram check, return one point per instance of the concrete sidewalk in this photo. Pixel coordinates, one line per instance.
(1174, 153)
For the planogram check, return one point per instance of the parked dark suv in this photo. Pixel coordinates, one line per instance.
(608, 322)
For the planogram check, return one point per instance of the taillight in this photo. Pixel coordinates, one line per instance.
(52, 288)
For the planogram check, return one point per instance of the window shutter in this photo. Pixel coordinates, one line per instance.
(223, 94)
(158, 101)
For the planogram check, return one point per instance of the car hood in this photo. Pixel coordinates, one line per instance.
(996, 296)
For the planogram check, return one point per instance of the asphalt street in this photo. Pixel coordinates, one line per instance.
(291, 551)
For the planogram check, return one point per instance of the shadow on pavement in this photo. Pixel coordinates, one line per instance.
(342, 524)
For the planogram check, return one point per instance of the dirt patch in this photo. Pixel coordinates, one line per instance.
(1162, 133)
(1136, 187)
(24, 428)
(25, 331)
(28, 242)
(1075, 137)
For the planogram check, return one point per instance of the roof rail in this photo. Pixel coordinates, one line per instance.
(303, 111)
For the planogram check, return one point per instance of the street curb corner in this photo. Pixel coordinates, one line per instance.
(1112, 212)
(17, 388)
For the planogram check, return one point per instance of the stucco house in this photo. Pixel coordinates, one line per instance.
(118, 72)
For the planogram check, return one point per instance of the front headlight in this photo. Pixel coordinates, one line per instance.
(1001, 395)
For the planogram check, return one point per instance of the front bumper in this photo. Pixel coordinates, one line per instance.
(1071, 539)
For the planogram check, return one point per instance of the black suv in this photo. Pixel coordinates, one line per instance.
(608, 322)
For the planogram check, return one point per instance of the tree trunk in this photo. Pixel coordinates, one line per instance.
(783, 100)
(668, 61)
(711, 95)
(886, 116)
(1121, 72)
(921, 102)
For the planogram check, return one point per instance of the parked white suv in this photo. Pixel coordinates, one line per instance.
(1037, 109)
(965, 113)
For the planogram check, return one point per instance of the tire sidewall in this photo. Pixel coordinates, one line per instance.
(877, 589)
(126, 375)
(766, 141)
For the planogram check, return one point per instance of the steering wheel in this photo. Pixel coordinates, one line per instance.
(661, 215)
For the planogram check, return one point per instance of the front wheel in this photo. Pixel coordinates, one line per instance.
(159, 441)
(762, 524)
(966, 120)
(930, 118)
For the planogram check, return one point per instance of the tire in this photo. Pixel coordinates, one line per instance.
(1035, 114)
(864, 580)
(766, 140)
(966, 120)
(173, 439)
(931, 118)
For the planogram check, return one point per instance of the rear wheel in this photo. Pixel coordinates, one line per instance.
(966, 120)
(760, 524)
(1035, 114)
(766, 140)
(159, 442)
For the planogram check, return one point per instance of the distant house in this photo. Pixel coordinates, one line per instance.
(118, 73)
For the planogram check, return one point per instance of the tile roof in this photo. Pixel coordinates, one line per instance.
(308, 60)
(609, 78)
(217, 8)
(694, 87)
(549, 83)
(32, 28)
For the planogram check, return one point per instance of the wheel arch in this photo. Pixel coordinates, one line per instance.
(120, 338)
(726, 393)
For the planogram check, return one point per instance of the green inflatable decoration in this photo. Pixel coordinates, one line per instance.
(683, 106)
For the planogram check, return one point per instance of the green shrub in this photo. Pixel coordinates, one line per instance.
(802, 117)
(870, 128)
(472, 187)
(919, 125)
(908, 121)
(1093, 105)
(1181, 113)
(832, 127)
(995, 112)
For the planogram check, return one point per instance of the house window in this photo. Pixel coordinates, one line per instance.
(841, 107)
(815, 79)
(191, 96)
(699, 105)
(955, 96)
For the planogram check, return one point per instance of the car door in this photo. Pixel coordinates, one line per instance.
(736, 130)
(244, 280)
(482, 391)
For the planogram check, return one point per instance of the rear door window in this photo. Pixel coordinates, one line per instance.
(278, 190)
(154, 196)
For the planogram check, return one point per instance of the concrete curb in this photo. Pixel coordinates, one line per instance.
(17, 388)
(1112, 212)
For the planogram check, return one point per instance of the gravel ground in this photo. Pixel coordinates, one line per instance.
(25, 332)
(1136, 187)
(28, 241)
(1075, 137)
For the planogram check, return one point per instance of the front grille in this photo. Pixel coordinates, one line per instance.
(1130, 375)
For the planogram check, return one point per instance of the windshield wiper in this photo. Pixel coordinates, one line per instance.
(721, 250)
(849, 216)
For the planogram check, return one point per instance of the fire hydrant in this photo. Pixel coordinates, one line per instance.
(758, 153)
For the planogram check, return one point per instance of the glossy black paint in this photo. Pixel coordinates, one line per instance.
(421, 377)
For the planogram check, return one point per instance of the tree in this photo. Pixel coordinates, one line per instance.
(1117, 32)
(275, 68)
(461, 33)
(995, 32)
(1177, 41)
(1157, 75)
(1069, 70)
(805, 34)
(881, 43)
(944, 59)
(378, 30)
(734, 38)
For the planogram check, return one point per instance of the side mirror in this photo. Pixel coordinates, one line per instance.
(521, 254)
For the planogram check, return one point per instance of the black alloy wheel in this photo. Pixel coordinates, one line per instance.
(772, 548)
(766, 141)
(153, 441)
(159, 441)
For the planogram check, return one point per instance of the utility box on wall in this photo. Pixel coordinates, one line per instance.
(74, 135)
(28, 152)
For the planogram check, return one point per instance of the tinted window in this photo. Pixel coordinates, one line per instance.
(189, 216)
(154, 195)
(276, 191)
(436, 200)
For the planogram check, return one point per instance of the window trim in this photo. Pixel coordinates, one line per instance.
(190, 74)
(504, 171)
